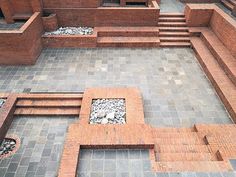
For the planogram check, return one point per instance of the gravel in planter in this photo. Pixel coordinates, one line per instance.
(72, 31)
(108, 111)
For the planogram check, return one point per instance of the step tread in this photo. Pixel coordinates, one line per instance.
(180, 148)
(127, 39)
(172, 19)
(171, 28)
(125, 29)
(48, 103)
(171, 14)
(175, 44)
(47, 111)
(162, 33)
(206, 156)
(216, 73)
(223, 55)
(198, 166)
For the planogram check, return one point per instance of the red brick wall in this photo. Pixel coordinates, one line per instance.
(22, 46)
(198, 14)
(106, 16)
(21, 6)
(225, 29)
(71, 3)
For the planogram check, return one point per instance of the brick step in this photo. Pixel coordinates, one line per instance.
(21, 16)
(196, 166)
(174, 34)
(174, 39)
(173, 29)
(165, 157)
(171, 15)
(227, 4)
(175, 44)
(223, 85)
(49, 103)
(128, 31)
(128, 41)
(159, 134)
(177, 140)
(233, 2)
(50, 96)
(179, 148)
(47, 111)
(172, 19)
(173, 130)
(221, 53)
(173, 24)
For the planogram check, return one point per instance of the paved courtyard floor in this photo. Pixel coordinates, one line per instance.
(175, 90)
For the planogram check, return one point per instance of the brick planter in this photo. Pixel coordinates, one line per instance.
(50, 22)
(63, 41)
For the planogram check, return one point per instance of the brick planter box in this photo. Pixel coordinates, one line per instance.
(64, 41)
(50, 22)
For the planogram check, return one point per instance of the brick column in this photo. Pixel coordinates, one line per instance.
(7, 11)
(36, 5)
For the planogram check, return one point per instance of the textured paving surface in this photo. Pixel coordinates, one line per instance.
(176, 91)
(172, 6)
(41, 147)
(5, 26)
(127, 163)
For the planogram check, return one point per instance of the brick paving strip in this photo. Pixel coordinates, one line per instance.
(202, 148)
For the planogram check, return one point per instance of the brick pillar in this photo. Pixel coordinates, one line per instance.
(234, 11)
(7, 11)
(36, 5)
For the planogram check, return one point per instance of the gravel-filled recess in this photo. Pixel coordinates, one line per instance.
(108, 111)
(7, 146)
(71, 31)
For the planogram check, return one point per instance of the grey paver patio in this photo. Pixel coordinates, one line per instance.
(41, 147)
(175, 90)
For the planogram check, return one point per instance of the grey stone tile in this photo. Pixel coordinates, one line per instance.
(97, 165)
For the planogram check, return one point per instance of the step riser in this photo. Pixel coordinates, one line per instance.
(172, 25)
(140, 45)
(128, 34)
(173, 30)
(165, 157)
(175, 40)
(174, 35)
(171, 20)
(171, 15)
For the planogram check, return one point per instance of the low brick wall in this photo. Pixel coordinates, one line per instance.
(22, 46)
(70, 41)
(209, 15)
(107, 16)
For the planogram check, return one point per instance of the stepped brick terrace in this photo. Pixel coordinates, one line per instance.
(117, 88)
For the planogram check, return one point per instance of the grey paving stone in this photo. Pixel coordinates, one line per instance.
(110, 165)
(233, 163)
(96, 165)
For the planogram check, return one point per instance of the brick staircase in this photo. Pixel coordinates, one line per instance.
(173, 30)
(48, 105)
(128, 37)
(184, 151)
(229, 4)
